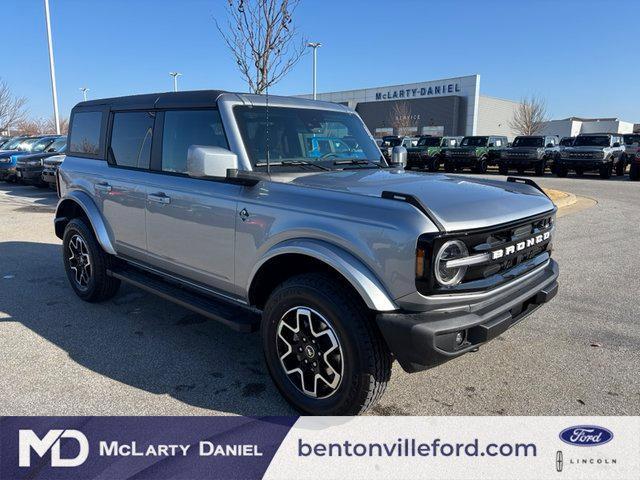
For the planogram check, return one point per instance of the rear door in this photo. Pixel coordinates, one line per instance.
(191, 221)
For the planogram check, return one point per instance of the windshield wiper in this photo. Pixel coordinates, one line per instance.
(291, 163)
(357, 161)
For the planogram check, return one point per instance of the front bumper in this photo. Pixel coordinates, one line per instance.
(584, 164)
(7, 171)
(427, 339)
(29, 174)
(49, 175)
(522, 162)
(461, 161)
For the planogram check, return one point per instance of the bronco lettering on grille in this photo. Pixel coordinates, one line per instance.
(520, 246)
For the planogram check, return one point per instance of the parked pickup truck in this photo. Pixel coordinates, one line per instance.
(474, 152)
(600, 152)
(427, 154)
(343, 264)
(535, 152)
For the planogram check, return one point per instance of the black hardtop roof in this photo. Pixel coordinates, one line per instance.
(195, 98)
(597, 134)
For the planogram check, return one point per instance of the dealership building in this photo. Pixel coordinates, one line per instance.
(451, 106)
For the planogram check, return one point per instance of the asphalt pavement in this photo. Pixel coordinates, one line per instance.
(139, 355)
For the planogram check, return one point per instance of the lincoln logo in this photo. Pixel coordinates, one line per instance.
(520, 246)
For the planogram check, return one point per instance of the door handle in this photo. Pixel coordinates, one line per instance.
(159, 198)
(103, 187)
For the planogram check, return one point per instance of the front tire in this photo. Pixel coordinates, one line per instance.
(540, 168)
(503, 170)
(634, 171)
(562, 171)
(481, 166)
(322, 347)
(86, 264)
(620, 166)
(606, 171)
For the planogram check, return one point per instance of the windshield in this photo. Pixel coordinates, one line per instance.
(391, 142)
(41, 145)
(27, 145)
(57, 145)
(12, 144)
(566, 142)
(528, 142)
(591, 141)
(474, 141)
(429, 142)
(631, 139)
(303, 135)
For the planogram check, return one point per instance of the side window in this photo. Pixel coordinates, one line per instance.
(497, 142)
(85, 133)
(183, 128)
(131, 137)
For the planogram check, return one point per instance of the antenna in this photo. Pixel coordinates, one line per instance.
(267, 132)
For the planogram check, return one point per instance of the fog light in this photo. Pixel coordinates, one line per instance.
(460, 338)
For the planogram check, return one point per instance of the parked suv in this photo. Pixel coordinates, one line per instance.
(343, 264)
(50, 169)
(427, 154)
(29, 167)
(390, 141)
(535, 152)
(474, 152)
(600, 152)
(631, 145)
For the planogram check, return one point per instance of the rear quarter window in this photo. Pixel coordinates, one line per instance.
(86, 128)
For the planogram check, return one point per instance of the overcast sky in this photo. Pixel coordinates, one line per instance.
(580, 55)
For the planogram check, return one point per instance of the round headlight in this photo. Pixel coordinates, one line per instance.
(449, 277)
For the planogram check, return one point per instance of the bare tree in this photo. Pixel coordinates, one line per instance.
(12, 108)
(50, 126)
(529, 116)
(402, 119)
(263, 40)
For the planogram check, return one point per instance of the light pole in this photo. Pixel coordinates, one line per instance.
(52, 68)
(175, 76)
(315, 46)
(84, 91)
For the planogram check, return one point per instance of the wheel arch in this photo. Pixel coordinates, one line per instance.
(301, 256)
(77, 204)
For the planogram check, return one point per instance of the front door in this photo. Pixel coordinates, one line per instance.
(191, 222)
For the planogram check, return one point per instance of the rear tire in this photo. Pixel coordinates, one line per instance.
(562, 172)
(86, 264)
(313, 304)
(434, 166)
(448, 167)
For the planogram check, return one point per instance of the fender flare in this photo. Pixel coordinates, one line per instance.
(363, 280)
(90, 209)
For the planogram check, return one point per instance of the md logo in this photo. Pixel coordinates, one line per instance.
(51, 441)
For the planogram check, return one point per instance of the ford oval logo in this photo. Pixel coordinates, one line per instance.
(586, 435)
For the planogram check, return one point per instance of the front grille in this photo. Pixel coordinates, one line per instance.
(584, 155)
(461, 153)
(517, 155)
(494, 272)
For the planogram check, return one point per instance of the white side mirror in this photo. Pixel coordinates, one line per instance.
(205, 161)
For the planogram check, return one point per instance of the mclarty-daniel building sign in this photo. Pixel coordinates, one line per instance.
(450, 88)
(451, 101)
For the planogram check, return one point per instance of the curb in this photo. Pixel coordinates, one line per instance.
(561, 199)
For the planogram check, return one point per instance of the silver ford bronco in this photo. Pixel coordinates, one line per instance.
(281, 214)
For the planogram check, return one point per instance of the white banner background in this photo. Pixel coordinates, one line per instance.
(542, 431)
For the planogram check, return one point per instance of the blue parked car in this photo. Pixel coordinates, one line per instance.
(29, 145)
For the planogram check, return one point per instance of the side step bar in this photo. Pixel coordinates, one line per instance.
(234, 316)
